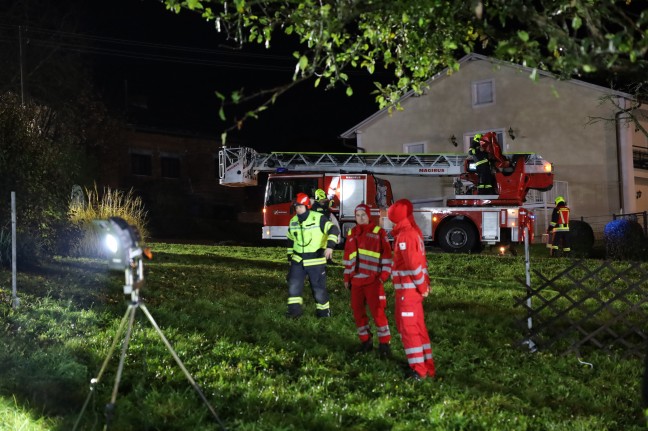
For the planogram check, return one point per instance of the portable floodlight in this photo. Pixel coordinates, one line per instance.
(121, 241)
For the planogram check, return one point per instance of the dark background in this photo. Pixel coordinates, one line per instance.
(162, 70)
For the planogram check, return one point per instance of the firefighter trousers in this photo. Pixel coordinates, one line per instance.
(370, 295)
(410, 323)
(486, 180)
(560, 241)
(296, 279)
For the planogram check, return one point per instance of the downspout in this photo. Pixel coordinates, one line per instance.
(625, 164)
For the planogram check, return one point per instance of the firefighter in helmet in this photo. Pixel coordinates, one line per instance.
(311, 240)
(322, 203)
(483, 166)
(559, 228)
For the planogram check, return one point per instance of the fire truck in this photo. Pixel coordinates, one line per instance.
(465, 223)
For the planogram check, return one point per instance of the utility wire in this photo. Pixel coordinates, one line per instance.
(128, 48)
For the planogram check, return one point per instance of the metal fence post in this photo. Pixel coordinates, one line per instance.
(14, 294)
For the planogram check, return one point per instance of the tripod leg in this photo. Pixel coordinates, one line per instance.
(182, 367)
(110, 408)
(94, 381)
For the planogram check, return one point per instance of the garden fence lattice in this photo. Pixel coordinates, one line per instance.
(598, 305)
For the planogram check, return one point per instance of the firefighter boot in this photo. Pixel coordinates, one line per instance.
(294, 311)
(323, 313)
(384, 351)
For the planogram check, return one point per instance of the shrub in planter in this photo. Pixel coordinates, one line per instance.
(582, 238)
(624, 239)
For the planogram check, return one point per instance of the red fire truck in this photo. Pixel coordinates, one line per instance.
(464, 224)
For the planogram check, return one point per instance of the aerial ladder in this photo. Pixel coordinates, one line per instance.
(240, 166)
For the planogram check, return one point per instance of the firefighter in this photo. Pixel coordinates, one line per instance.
(322, 203)
(559, 228)
(311, 239)
(367, 265)
(411, 286)
(483, 166)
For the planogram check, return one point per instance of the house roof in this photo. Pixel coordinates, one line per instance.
(350, 133)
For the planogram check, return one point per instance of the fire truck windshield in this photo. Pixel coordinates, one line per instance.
(284, 190)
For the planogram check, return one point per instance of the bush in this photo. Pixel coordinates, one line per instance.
(624, 240)
(111, 203)
(40, 158)
(582, 238)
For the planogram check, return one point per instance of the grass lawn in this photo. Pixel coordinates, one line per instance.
(222, 308)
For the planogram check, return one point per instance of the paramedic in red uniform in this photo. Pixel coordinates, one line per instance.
(367, 265)
(411, 286)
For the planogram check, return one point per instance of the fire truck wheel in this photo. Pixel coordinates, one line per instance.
(457, 236)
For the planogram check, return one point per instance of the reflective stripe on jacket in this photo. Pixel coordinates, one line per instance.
(308, 239)
(560, 218)
(409, 271)
(367, 255)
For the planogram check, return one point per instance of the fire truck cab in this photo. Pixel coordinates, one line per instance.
(345, 191)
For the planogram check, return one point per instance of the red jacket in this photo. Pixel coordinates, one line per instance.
(409, 270)
(367, 255)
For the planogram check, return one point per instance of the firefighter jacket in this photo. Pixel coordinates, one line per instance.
(409, 270)
(479, 155)
(560, 218)
(308, 235)
(367, 255)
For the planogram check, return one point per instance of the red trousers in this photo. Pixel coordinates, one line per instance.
(372, 295)
(410, 323)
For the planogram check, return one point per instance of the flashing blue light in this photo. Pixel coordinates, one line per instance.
(281, 170)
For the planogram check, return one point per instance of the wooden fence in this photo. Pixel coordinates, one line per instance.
(598, 305)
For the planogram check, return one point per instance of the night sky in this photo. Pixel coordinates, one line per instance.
(165, 69)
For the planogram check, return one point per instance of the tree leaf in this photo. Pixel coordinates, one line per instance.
(303, 62)
(577, 22)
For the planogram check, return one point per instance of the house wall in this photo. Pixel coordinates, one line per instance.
(640, 143)
(548, 117)
(190, 202)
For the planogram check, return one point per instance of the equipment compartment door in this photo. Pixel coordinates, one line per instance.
(353, 192)
(490, 226)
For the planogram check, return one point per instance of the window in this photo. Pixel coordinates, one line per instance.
(415, 148)
(280, 190)
(170, 166)
(141, 164)
(483, 93)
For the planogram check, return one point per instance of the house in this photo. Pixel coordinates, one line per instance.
(571, 123)
(176, 175)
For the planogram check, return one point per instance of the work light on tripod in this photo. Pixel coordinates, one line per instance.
(121, 242)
